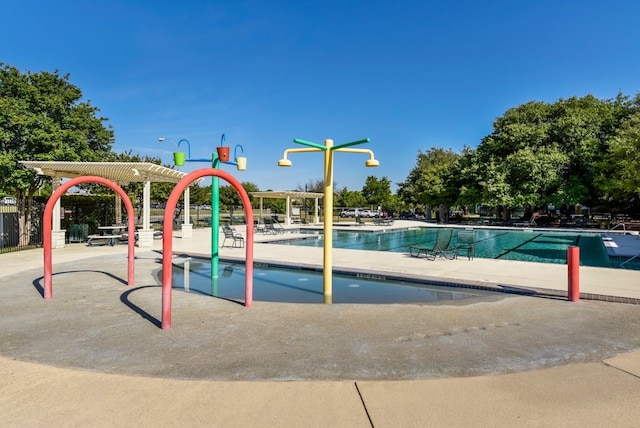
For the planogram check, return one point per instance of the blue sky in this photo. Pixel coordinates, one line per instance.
(409, 75)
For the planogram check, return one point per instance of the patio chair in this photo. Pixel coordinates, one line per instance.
(465, 242)
(258, 226)
(268, 229)
(440, 248)
(231, 233)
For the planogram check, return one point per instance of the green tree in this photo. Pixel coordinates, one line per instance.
(200, 195)
(540, 153)
(466, 177)
(42, 117)
(620, 180)
(582, 128)
(349, 198)
(230, 198)
(377, 192)
(430, 182)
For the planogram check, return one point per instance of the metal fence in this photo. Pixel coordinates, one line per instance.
(14, 235)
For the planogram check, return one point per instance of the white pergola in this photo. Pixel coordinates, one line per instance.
(290, 197)
(121, 173)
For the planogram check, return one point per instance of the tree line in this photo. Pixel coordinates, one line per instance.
(577, 150)
(580, 150)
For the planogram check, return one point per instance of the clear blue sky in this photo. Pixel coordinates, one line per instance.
(408, 74)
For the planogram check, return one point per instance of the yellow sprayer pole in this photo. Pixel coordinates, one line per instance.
(328, 222)
(328, 150)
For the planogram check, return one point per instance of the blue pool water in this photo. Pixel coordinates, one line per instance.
(304, 286)
(504, 244)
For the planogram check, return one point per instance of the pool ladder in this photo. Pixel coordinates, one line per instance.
(624, 230)
(616, 226)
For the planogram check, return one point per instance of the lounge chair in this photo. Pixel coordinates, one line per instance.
(465, 242)
(530, 223)
(383, 221)
(231, 233)
(440, 248)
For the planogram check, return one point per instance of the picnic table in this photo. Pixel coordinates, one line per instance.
(115, 229)
(95, 240)
(110, 235)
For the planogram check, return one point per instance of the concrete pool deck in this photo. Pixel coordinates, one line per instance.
(39, 390)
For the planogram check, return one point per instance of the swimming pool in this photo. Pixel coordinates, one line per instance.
(273, 284)
(531, 245)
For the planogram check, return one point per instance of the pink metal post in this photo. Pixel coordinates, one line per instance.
(47, 220)
(573, 263)
(167, 241)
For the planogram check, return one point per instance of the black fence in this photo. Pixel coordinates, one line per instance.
(15, 232)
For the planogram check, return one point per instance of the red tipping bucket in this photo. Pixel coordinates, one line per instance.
(223, 153)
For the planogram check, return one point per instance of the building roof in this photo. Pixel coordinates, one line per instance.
(119, 172)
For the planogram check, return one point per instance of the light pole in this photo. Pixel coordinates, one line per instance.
(221, 155)
(328, 148)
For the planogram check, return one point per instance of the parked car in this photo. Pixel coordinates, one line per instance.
(359, 212)
(368, 213)
(348, 213)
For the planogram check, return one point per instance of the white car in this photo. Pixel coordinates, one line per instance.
(368, 213)
(353, 212)
(348, 213)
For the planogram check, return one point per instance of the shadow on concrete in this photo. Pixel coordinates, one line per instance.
(40, 288)
(124, 298)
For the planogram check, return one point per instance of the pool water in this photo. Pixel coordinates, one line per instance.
(505, 244)
(273, 284)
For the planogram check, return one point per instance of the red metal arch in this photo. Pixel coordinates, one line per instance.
(47, 220)
(167, 242)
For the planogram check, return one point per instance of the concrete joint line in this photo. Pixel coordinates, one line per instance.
(364, 405)
(613, 367)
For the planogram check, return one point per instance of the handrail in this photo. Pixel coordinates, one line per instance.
(619, 224)
(627, 261)
(276, 222)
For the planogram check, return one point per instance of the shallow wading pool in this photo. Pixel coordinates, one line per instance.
(275, 284)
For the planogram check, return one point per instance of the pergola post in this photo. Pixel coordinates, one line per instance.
(287, 218)
(261, 208)
(145, 235)
(57, 234)
(187, 227)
